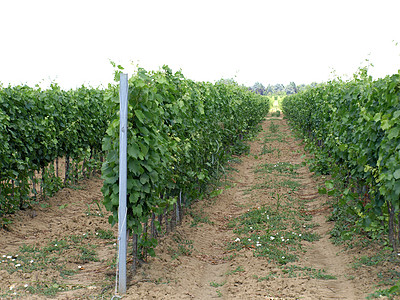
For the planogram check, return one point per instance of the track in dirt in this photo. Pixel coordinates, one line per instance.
(202, 258)
(211, 271)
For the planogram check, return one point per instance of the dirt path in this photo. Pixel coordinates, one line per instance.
(266, 236)
(212, 271)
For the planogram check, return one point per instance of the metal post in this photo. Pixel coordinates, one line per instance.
(123, 98)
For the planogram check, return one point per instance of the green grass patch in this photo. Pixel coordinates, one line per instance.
(238, 269)
(274, 232)
(296, 271)
(285, 168)
(199, 217)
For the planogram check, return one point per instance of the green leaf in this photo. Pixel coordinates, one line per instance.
(144, 178)
(385, 124)
(144, 149)
(393, 132)
(112, 179)
(216, 193)
(396, 174)
(377, 117)
(140, 116)
(329, 184)
(133, 150)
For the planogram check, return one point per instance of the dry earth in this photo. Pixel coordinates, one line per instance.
(65, 249)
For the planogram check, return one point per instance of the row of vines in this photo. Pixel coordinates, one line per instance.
(181, 134)
(353, 128)
(37, 129)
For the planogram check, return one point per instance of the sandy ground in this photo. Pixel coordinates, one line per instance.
(193, 262)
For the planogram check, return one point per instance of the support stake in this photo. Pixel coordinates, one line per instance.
(122, 210)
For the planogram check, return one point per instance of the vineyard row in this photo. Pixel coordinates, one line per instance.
(354, 129)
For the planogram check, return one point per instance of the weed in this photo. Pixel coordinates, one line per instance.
(267, 277)
(279, 167)
(87, 254)
(273, 127)
(293, 185)
(44, 205)
(230, 257)
(63, 206)
(238, 269)
(105, 234)
(184, 247)
(198, 217)
(215, 284)
(272, 232)
(370, 261)
(267, 149)
(296, 271)
(276, 114)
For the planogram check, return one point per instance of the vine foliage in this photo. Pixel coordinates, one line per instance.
(180, 135)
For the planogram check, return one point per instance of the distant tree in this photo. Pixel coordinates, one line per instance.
(279, 87)
(259, 88)
(301, 87)
(269, 90)
(227, 81)
(291, 88)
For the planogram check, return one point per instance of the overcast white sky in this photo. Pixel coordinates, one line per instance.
(71, 41)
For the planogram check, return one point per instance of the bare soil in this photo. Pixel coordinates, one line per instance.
(193, 262)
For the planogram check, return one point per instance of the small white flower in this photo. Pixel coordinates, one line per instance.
(258, 237)
(249, 240)
(115, 244)
(97, 233)
(283, 257)
(11, 288)
(251, 228)
(84, 234)
(9, 257)
(299, 234)
(55, 245)
(267, 217)
(272, 238)
(18, 265)
(4, 255)
(287, 240)
(26, 285)
(13, 259)
(16, 255)
(31, 261)
(79, 267)
(237, 240)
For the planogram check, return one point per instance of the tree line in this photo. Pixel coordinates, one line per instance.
(279, 88)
